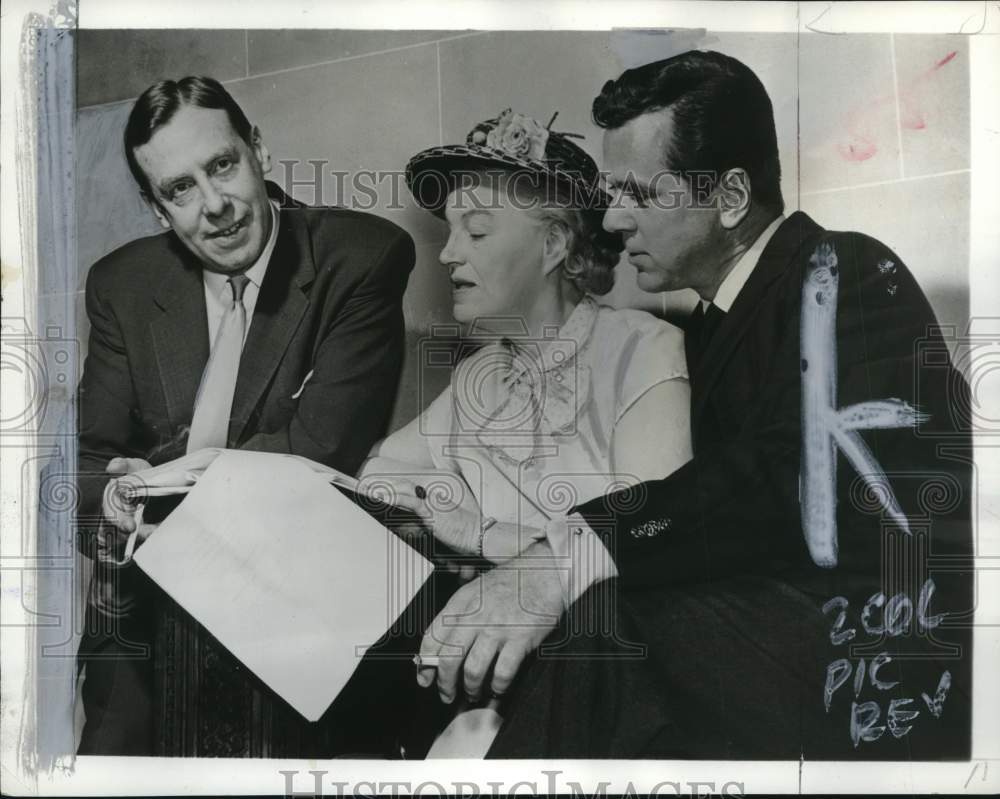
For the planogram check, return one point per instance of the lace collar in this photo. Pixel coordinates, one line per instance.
(513, 392)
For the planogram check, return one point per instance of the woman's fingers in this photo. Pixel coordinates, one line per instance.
(408, 531)
(383, 494)
(405, 501)
(392, 490)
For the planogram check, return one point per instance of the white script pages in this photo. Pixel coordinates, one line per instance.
(287, 573)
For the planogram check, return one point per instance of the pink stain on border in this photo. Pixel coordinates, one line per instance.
(944, 60)
(857, 150)
(859, 144)
(911, 116)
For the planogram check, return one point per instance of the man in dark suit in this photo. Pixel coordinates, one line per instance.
(802, 588)
(253, 323)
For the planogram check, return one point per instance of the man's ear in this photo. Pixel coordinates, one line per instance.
(734, 197)
(156, 209)
(555, 247)
(260, 150)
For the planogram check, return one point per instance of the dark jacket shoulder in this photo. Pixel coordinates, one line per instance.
(873, 274)
(369, 229)
(869, 270)
(366, 245)
(135, 267)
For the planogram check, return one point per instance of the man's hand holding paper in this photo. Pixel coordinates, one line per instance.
(125, 498)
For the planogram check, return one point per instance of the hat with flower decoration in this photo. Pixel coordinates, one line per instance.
(511, 142)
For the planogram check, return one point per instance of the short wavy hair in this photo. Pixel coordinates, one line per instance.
(722, 117)
(160, 102)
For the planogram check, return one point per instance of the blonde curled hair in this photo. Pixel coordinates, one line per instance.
(591, 252)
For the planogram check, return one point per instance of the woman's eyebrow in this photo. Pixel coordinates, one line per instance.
(467, 216)
(476, 212)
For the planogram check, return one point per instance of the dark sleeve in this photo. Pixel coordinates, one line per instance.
(105, 400)
(729, 510)
(734, 509)
(345, 406)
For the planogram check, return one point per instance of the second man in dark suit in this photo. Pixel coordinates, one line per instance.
(801, 588)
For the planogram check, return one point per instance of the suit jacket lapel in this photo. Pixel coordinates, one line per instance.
(281, 304)
(180, 333)
(777, 257)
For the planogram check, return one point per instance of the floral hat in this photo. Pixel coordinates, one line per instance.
(514, 142)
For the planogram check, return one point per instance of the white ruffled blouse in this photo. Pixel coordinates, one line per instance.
(529, 423)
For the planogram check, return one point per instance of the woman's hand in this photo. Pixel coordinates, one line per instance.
(442, 501)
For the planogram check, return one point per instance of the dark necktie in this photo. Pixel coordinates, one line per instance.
(699, 331)
(713, 318)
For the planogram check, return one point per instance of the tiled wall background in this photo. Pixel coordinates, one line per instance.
(873, 131)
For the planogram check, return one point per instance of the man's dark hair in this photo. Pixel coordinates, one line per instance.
(157, 105)
(722, 117)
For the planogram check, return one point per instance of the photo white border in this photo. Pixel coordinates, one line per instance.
(143, 776)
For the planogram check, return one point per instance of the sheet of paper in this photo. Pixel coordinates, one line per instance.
(292, 577)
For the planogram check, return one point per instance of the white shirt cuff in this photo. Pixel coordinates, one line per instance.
(588, 560)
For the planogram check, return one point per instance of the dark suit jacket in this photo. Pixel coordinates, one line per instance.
(330, 306)
(318, 378)
(716, 585)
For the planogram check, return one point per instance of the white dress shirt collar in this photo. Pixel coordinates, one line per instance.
(217, 282)
(740, 274)
(219, 297)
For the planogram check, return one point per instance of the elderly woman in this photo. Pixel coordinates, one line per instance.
(563, 399)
